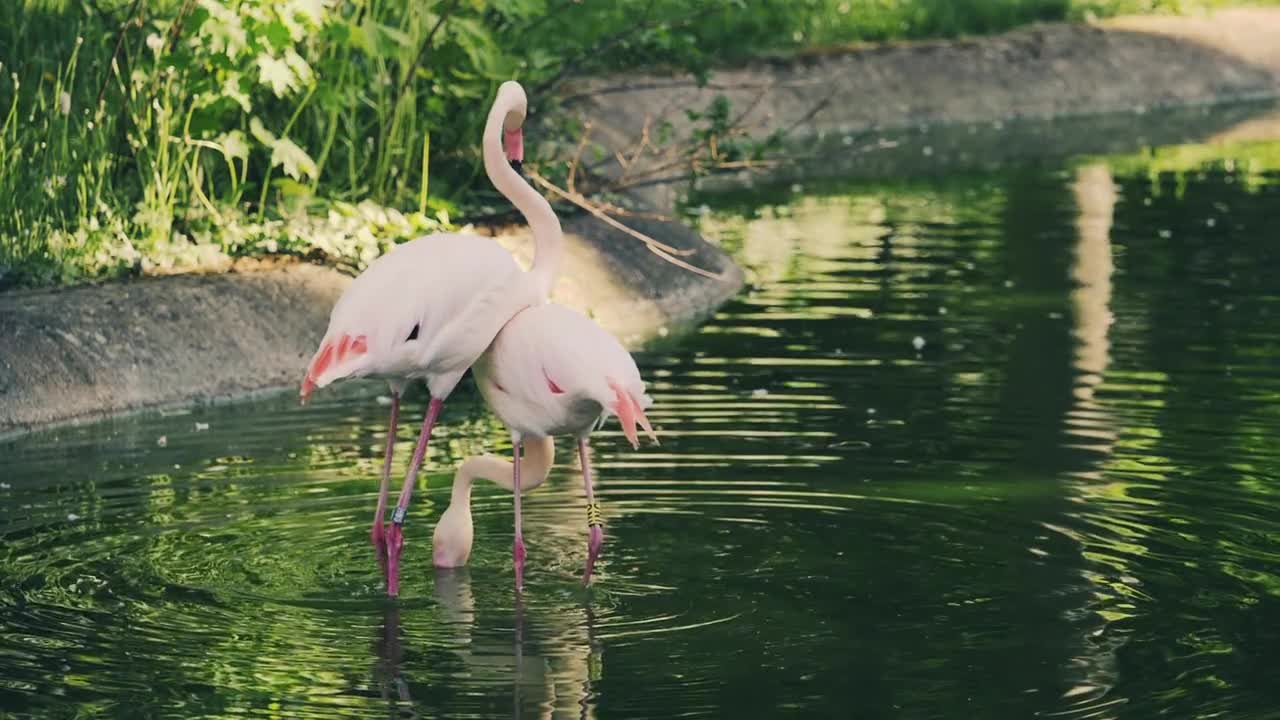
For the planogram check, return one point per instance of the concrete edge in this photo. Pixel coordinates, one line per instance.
(90, 352)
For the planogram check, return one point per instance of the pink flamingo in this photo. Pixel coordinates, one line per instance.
(429, 308)
(451, 541)
(550, 371)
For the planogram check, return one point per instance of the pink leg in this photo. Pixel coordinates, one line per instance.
(395, 538)
(595, 525)
(517, 547)
(376, 534)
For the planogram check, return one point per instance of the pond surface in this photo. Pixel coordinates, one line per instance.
(992, 445)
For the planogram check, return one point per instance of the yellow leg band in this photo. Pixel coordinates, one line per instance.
(593, 515)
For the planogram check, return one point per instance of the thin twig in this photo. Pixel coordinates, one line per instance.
(577, 155)
(662, 250)
(585, 204)
(426, 45)
(809, 115)
(129, 19)
(176, 30)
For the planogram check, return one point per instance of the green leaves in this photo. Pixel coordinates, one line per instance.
(285, 154)
(234, 145)
(276, 74)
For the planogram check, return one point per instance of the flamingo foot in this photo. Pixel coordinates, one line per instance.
(595, 538)
(517, 558)
(395, 543)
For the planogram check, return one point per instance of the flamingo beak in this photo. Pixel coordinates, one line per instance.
(513, 144)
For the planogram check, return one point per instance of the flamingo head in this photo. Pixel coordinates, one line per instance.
(512, 99)
(513, 145)
(451, 541)
(630, 412)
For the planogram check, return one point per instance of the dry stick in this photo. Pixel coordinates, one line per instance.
(129, 18)
(177, 24)
(817, 108)
(585, 204)
(662, 250)
(577, 155)
(426, 45)
(654, 175)
(764, 90)
(630, 162)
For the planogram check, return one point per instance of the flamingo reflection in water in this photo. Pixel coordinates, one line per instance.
(553, 682)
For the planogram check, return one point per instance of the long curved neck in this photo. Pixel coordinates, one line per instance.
(535, 464)
(547, 237)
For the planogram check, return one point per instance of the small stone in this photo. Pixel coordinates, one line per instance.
(73, 517)
(942, 310)
(918, 343)
(663, 331)
(5, 486)
(162, 441)
(871, 411)
(383, 400)
(759, 392)
(201, 427)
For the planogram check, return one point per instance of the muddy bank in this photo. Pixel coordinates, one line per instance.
(89, 352)
(93, 351)
(856, 98)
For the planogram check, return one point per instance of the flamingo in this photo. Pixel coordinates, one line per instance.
(428, 308)
(451, 541)
(550, 371)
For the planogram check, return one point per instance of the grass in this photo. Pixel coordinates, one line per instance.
(143, 136)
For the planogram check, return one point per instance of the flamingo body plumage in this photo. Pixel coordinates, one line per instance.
(428, 309)
(425, 310)
(553, 371)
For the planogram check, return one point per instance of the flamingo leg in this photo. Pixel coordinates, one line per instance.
(517, 546)
(395, 538)
(376, 535)
(595, 525)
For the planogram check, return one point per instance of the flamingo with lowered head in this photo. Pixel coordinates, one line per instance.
(451, 541)
(550, 371)
(428, 308)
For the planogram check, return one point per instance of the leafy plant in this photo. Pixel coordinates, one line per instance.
(132, 131)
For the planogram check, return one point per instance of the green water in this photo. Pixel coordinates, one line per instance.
(995, 445)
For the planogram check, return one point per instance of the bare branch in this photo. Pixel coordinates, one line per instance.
(426, 45)
(662, 250)
(129, 20)
(577, 155)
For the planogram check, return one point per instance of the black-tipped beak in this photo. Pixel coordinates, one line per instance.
(517, 165)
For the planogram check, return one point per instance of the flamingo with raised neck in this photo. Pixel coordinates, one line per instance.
(428, 308)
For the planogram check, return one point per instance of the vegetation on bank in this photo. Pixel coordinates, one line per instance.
(155, 135)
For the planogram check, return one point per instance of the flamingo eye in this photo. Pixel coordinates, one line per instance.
(413, 334)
